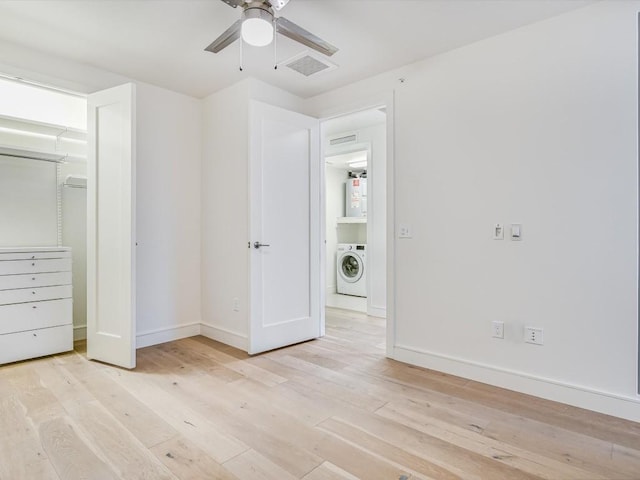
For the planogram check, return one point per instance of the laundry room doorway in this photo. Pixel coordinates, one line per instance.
(355, 153)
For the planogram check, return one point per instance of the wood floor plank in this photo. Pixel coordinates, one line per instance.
(386, 450)
(145, 424)
(181, 416)
(518, 458)
(21, 453)
(70, 455)
(229, 413)
(252, 465)
(189, 462)
(328, 471)
(123, 452)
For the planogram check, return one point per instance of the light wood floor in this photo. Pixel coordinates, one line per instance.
(330, 409)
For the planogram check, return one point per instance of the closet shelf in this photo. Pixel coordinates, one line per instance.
(352, 219)
(32, 154)
(42, 128)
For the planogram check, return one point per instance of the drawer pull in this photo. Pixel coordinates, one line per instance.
(33, 278)
(33, 293)
(33, 264)
(34, 306)
(35, 334)
(33, 257)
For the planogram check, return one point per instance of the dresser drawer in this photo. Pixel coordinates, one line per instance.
(20, 346)
(33, 255)
(31, 316)
(34, 280)
(15, 267)
(23, 295)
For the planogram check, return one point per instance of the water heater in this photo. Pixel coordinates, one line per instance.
(356, 197)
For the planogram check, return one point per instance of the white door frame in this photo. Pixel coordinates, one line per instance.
(387, 100)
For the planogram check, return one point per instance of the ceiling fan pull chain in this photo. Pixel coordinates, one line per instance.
(275, 46)
(241, 42)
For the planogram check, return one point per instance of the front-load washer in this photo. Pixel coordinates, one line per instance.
(351, 269)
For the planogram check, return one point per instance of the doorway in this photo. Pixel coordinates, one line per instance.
(43, 167)
(355, 154)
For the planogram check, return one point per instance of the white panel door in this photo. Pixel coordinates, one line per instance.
(111, 227)
(285, 217)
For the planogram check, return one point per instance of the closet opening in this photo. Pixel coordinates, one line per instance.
(43, 218)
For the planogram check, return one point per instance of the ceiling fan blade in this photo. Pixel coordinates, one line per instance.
(300, 35)
(230, 35)
(234, 3)
(278, 4)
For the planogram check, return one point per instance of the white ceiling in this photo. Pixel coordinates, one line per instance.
(162, 41)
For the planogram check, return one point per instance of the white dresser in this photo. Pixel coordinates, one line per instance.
(36, 306)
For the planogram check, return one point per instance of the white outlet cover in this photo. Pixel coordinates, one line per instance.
(534, 335)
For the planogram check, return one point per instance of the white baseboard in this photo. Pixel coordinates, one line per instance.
(225, 336)
(627, 407)
(331, 289)
(377, 312)
(167, 334)
(79, 332)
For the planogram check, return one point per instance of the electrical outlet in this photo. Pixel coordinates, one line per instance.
(236, 304)
(497, 329)
(533, 335)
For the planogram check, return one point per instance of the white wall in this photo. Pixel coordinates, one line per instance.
(376, 219)
(335, 179)
(28, 206)
(74, 235)
(225, 207)
(536, 126)
(168, 143)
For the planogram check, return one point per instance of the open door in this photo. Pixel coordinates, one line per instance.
(285, 254)
(111, 227)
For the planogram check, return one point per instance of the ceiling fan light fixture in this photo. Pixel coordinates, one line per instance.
(257, 27)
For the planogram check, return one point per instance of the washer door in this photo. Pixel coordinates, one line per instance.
(350, 267)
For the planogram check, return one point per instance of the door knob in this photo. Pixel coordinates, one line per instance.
(258, 245)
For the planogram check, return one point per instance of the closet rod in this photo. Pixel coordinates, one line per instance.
(28, 157)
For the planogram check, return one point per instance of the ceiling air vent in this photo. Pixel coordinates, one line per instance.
(342, 140)
(309, 64)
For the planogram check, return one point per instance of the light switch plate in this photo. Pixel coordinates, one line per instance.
(404, 231)
(498, 231)
(516, 232)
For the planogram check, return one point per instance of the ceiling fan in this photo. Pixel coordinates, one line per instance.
(257, 24)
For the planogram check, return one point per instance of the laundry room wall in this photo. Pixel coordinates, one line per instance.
(335, 179)
(536, 126)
